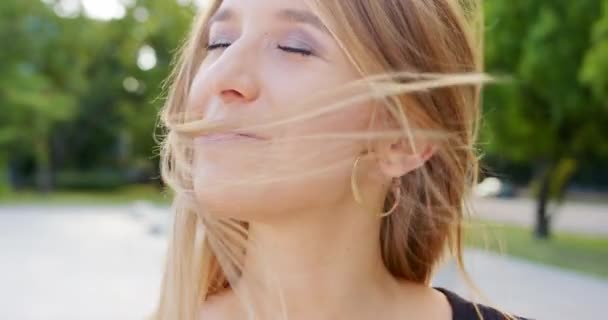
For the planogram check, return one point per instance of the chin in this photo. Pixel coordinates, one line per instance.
(230, 187)
(240, 199)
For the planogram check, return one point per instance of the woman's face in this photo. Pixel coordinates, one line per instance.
(267, 57)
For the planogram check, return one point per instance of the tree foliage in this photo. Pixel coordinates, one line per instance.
(553, 113)
(72, 95)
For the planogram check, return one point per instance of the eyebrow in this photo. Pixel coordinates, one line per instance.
(291, 15)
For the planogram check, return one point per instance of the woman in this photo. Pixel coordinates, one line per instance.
(321, 153)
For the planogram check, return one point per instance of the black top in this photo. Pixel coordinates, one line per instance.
(465, 310)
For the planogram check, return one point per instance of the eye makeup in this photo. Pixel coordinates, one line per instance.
(288, 39)
(293, 45)
(302, 41)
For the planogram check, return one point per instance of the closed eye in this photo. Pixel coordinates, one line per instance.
(294, 50)
(219, 45)
(304, 52)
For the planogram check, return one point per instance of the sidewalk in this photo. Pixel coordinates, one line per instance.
(77, 263)
(527, 289)
(576, 217)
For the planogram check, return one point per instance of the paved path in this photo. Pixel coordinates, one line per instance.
(528, 289)
(77, 264)
(89, 263)
(574, 217)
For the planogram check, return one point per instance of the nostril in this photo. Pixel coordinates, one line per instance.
(231, 95)
(232, 92)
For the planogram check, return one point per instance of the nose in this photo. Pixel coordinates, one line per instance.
(234, 78)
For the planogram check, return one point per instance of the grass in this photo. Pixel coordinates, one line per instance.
(122, 195)
(583, 253)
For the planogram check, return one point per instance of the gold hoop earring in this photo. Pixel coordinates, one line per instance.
(353, 182)
(359, 199)
(396, 200)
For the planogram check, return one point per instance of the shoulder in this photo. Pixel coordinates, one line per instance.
(463, 309)
(219, 307)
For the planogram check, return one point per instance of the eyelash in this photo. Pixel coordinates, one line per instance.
(299, 51)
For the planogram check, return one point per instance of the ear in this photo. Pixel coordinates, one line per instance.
(396, 159)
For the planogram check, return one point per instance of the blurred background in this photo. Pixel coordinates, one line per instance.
(84, 216)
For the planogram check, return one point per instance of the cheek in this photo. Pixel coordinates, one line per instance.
(198, 95)
(334, 137)
(299, 97)
(304, 89)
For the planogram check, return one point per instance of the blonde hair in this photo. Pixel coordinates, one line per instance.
(423, 54)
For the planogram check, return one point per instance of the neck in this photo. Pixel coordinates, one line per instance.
(316, 264)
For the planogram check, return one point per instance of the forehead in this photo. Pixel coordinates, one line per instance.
(294, 11)
(262, 8)
(264, 4)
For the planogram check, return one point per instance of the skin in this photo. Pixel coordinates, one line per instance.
(310, 234)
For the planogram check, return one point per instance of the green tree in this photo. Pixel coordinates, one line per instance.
(158, 26)
(40, 75)
(595, 63)
(72, 93)
(547, 115)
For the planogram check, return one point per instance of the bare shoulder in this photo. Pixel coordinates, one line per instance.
(218, 307)
(423, 302)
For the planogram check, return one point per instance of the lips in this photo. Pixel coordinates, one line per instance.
(249, 135)
(230, 136)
